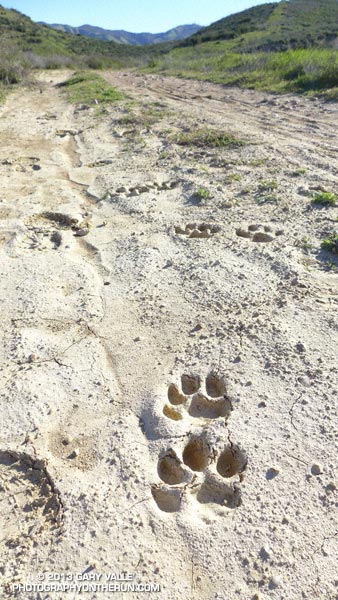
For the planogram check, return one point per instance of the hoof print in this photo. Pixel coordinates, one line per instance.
(167, 499)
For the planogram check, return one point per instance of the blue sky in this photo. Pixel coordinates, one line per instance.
(132, 15)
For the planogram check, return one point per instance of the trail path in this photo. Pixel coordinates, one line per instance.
(169, 342)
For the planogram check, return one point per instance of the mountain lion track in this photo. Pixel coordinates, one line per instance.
(199, 469)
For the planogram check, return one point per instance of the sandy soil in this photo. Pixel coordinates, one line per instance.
(168, 344)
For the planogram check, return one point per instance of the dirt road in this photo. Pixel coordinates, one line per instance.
(168, 344)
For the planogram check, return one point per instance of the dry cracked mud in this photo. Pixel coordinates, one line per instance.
(159, 393)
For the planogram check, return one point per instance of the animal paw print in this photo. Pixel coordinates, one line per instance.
(143, 188)
(193, 230)
(257, 233)
(199, 474)
(207, 402)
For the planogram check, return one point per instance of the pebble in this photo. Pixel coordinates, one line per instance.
(75, 453)
(265, 552)
(272, 472)
(305, 381)
(276, 581)
(316, 469)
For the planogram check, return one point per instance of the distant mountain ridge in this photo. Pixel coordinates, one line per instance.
(126, 37)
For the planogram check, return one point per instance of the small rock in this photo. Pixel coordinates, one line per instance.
(275, 581)
(32, 358)
(331, 487)
(253, 227)
(272, 472)
(265, 553)
(75, 453)
(122, 189)
(300, 348)
(134, 193)
(67, 440)
(316, 469)
(137, 339)
(304, 380)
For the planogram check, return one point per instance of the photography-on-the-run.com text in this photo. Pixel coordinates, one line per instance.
(85, 582)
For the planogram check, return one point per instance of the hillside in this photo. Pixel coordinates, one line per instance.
(41, 46)
(276, 26)
(279, 47)
(126, 37)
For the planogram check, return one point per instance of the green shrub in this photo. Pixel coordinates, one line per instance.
(13, 66)
(331, 243)
(203, 194)
(325, 199)
(207, 138)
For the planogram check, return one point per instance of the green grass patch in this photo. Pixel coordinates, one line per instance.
(89, 88)
(331, 243)
(267, 186)
(208, 138)
(203, 194)
(325, 199)
(303, 70)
